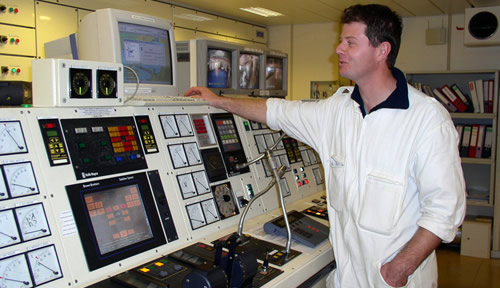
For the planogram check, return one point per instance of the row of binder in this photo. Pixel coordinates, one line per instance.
(475, 140)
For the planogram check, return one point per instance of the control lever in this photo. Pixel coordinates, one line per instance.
(277, 174)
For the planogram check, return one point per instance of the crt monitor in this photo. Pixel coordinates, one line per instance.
(145, 44)
(276, 73)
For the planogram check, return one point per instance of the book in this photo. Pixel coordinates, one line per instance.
(441, 98)
(427, 90)
(464, 148)
(480, 141)
(488, 140)
(480, 94)
(454, 99)
(473, 96)
(473, 141)
(491, 96)
(460, 131)
(463, 97)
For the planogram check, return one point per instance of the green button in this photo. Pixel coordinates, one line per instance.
(82, 145)
(104, 143)
(86, 160)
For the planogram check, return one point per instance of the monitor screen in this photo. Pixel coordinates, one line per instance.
(274, 73)
(219, 72)
(116, 218)
(146, 49)
(249, 71)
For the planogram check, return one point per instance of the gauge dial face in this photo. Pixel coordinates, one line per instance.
(32, 221)
(11, 138)
(185, 128)
(80, 83)
(3, 188)
(210, 211)
(192, 153)
(9, 235)
(107, 83)
(187, 186)
(44, 265)
(201, 182)
(225, 201)
(14, 272)
(20, 179)
(179, 158)
(195, 215)
(170, 129)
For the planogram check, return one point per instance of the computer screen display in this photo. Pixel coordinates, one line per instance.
(147, 50)
(219, 64)
(249, 71)
(274, 73)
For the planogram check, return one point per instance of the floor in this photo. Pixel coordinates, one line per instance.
(456, 271)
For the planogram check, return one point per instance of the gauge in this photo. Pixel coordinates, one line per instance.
(44, 264)
(186, 184)
(20, 179)
(9, 234)
(285, 187)
(170, 129)
(14, 272)
(184, 125)
(210, 211)
(195, 215)
(178, 155)
(3, 188)
(312, 156)
(192, 153)
(32, 221)
(261, 143)
(80, 83)
(225, 201)
(11, 138)
(305, 158)
(107, 84)
(201, 182)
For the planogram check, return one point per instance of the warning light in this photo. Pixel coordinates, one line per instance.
(13, 70)
(17, 40)
(50, 126)
(16, 10)
(143, 121)
(18, 70)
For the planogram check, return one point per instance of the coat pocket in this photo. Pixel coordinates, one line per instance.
(336, 183)
(381, 204)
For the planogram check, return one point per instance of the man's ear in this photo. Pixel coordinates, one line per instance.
(384, 49)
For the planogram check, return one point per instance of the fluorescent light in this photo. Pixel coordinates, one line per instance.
(262, 11)
(193, 17)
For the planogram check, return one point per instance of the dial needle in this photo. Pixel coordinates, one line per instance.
(172, 128)
(202, 185)
(34, 231)
(14, 280)
(11, 237)
(12, 137)
(31, 188)
(43, 265)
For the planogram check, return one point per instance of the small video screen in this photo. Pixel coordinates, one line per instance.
(274, 73)
(249, 71)
(219, 68)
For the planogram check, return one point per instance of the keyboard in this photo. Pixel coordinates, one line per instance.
(144, 100)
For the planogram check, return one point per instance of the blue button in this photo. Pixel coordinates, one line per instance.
(118, 158)
(133, 157)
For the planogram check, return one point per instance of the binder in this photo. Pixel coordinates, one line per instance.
(460, 131)
(461, 107)
(473, 141)
(428, 90)
(441, 98)
(488, 140)
(480, 141)
(464, 149)
(473, 96)
(465, 99)
(491, 87)
(480, 94)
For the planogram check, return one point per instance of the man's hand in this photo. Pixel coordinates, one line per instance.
(394, 274)
(205, 94)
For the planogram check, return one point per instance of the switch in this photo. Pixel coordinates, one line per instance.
(4, 69)
(3, 38)
(3, 8)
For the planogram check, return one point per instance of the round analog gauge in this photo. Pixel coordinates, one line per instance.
(225, 201)
(44, 265)
(3, 188)
(178, 155)
(195, 215)
(186, 184)
(14, 272)
(201, 182)
(192, 153)
(11, 138)
(9, 234)
(80, 83)
(32, 221)
(20, 179)
(184, 125)
(107, 84)
(210, 211)
(170, 129)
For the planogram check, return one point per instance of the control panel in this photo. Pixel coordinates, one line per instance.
(89, 192)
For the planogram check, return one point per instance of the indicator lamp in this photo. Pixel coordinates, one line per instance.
(13, 70)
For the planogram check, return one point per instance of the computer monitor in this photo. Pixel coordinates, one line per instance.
(276, 73)
(116, 218)
(144, 43)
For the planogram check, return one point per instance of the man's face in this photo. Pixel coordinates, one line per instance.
(357, 56)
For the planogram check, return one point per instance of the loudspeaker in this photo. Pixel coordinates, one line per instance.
(482, 26)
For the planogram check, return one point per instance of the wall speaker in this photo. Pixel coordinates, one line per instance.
(482, 26)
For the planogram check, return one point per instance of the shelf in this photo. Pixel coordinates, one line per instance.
(475, 202)
(482, 161)
(473, 115)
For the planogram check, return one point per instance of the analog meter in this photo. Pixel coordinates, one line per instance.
(12, 138)
(44, 264)
(32, 221)
(20, 179)
(195, 215)
(14, 272)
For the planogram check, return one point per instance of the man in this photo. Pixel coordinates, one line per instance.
(395, 185)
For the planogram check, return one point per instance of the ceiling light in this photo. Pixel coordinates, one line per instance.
(193, 17)
(262, 11)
